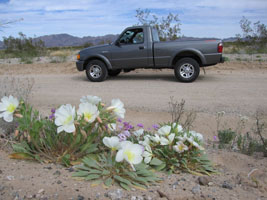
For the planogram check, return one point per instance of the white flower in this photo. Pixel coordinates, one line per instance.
(178, 128)
(146, 141)
(198, 146)
(130, 152)
(8, 106)
(190, 139)
(182, 138)
(64, 118)
(138, 132)
(112, 126)
(180, 147)
(168, 140)
(90, 99)
(124, 143)
(164, 130)
(147, 154)
(112, 142)
(155, 138)
(117, 107)
(89, 111)
(199, 136)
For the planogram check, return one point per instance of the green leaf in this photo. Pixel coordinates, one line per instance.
(131, 174)
(160, 167)
(90, 162)
(92, 148)
(82, 167)
(80, 174)
(155, 161)
(92, 177)
(22, 147)
(95, 171)
(141, 179)
(108, 182)
(105, 172)
(139, 185)
(125, 186)
(123, 180)
(66, 160)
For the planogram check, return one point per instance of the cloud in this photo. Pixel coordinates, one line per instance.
(98, 17)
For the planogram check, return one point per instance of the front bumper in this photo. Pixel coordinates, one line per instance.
(79, 65)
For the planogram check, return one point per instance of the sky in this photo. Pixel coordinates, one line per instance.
(198, 18)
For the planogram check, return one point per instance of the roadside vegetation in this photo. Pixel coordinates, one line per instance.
(244, 138)
(252, 41)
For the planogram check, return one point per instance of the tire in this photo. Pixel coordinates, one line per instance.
(114, 72)
(96, 71)
(186, 70)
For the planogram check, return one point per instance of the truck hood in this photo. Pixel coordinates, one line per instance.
(94, 50)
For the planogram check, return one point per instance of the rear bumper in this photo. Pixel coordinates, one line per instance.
(79, 65)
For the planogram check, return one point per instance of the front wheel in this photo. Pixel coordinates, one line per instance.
(186, 70)
(96, 71)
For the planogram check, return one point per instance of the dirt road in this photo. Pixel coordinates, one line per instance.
(234, 92)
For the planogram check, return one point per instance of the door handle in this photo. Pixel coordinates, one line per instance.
(141, 47)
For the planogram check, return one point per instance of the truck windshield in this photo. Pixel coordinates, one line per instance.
(155, 35)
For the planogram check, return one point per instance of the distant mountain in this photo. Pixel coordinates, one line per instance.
(61, 40)
(230, 39)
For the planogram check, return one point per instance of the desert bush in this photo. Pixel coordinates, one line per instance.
(23, 46)
(247, 142)
(226, 136)
(179, 115)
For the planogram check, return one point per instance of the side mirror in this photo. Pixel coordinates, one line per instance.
(117, 43)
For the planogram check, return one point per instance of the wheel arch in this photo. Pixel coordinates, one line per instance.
(189, 53)
(98, 57)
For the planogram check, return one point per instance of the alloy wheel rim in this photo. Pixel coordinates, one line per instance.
(95, 71)
(187, 70)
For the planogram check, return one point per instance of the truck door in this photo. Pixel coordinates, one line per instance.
(130, 50)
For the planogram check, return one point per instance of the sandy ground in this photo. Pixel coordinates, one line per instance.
(238, 88)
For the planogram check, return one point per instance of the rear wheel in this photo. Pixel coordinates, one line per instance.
(186, 70)
(114, 72)
(96, 71)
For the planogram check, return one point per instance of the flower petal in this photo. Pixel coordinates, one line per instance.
(119, 156)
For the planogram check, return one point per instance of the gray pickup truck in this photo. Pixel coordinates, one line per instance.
(140, 47)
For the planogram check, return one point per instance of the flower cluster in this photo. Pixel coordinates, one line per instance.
(88, 110)
(166, 142)
(166, 146)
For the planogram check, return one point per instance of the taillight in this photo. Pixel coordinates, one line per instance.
(78, 56)
(220, 47)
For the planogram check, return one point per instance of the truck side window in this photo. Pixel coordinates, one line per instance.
(133, 36)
